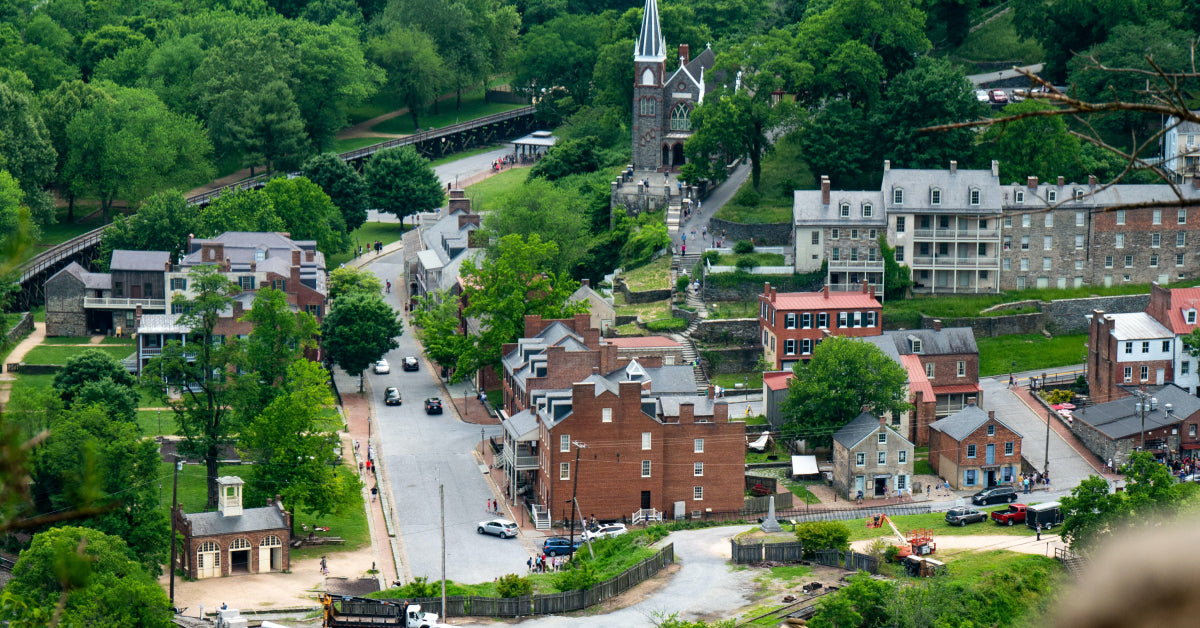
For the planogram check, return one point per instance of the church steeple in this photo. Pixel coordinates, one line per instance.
(650, 44)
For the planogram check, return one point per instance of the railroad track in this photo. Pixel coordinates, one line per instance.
(797, 609)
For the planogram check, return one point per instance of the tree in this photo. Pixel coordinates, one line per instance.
(32, 408)
(732, 124)
(91, 365)
(820, 535)
(415, 74)
(822, 139)
(1089, 511)
(567, 158)
(105, 43)
(844, 377)
(555, 214)
(933, 92)
(897, 279)
(204, 408)
(350, 280)
(93, 576)
(26, 152)
(162, 223)
(333, 75)
(559, 58)
(861, 603)
(358, 330)
(1066, 27)
(130, 146)
(239, 210)
(121, 402)
(308, 214)
(1041, 146)
(279, 338)
(271, 129)
(343, 184)
(401, 182)
(441, 334)
(58, 108)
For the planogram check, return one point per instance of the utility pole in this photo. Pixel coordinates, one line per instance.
(574, 492)
(174, 505)
(588, 540)
(442, 499)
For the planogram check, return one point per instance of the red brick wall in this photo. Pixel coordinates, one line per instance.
(945, 369)
(191, 545)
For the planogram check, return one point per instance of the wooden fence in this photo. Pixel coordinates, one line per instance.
(760, 504)
(804, 513)
(768, 483)
(852, 561)
(793, 552)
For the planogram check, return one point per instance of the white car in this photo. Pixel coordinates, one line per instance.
(981, 95)
(382, 367)
(502, 528)
(605, 531)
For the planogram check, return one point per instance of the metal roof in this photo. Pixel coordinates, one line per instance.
(1120, 419)
(162, 324)
(139, 260)
(251, 520)
(963, 423)
(815, 301)
(807, 209)
(650, 43)
(1137, 326)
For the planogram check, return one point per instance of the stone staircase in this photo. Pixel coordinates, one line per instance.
(674, 216)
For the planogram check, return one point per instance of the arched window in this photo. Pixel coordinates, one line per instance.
(681, 119)
(647, 106)
(209, 546)
(239, 544)
(270, 541)
(647, 77)
(935, 196)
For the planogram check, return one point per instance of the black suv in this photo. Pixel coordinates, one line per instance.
(410, 364)
(433, 405)
(962, 515)
(994, 495)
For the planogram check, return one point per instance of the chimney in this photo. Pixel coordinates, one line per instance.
(253, 266)
(871, 291)
(767, 289)
(887, 165)
(585, 283)
(971, 401)
(864, 286)
(825, 290)
(1031, 182)
(310, 255)
(824, 190)
(167, 264)
(188, 250)
(996, 168)
(711, 392)
(937, 324)
(1092, 181)
(1061, 180)
(991, 414)
(684, 57)
(953, 166)
(295, 257)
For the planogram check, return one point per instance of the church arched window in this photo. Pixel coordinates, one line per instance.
(647, 107)
(681, 118)
(647, 77)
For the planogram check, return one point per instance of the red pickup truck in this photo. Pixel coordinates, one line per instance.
(1015, 514)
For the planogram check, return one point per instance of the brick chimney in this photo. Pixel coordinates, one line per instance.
(824, 190)
(294, 275)
(871, 291)
(864, 286)
(228, 266)
(711, 392)
(585, 283)
(458, 202)
(991, 414)
(937, 324)
(1031, 182)
(468, 219)
(1092, 181)
(310, 255)
(825, 290)
(167, 265)
(971, 401)
(767, 289)
(887, 165)
(1061, 180)
(684, 56)
(953, 166)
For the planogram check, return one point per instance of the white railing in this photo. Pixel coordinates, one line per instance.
(757, 270)
(856, 265)
(540, 515)
(950, 234)
(116, 302)
(643, 515)
(949, 261)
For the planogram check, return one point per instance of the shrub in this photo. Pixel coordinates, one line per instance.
(681, 283)
(818, 535)
(879, 547)
(710, 257)
(746, 263)
(890, 552)
(579, 576)
(743, 247)
(747, 197)
(667, 324)
(1057, 396)
(512, 585)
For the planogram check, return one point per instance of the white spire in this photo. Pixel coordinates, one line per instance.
(650, 43)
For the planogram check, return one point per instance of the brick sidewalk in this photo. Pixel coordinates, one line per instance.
(1023, 393)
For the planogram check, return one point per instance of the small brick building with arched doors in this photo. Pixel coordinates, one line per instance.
(233, 540)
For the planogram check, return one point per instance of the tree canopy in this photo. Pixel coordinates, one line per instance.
(358, 330)
(402, 182)
(344, 185)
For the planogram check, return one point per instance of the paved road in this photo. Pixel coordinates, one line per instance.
(419, 453)
(709, 206)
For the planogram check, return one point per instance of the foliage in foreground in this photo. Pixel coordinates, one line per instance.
(818, 535)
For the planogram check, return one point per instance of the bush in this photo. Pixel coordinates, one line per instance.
(1057, 396)
(512, 585)
(818, 535)
(747, 197)
(681, 283)
(743, 247)
(746, 263)
(667, 324)
(710, 257)
(890, 553)
(579, 576)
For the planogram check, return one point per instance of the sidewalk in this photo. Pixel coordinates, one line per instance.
(35, 338)
(1064, 432)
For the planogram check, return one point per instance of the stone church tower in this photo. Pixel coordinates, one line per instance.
(649, 59)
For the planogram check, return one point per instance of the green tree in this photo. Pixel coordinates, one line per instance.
(239, 210)
(558, 58)
(333, 74)
(732, 124)
(401, 182)
(932, 93)
(440, 331)
(162, 223)
(1041, 146)
(821, 535)
(358, 330)
(93, 576)
(121, 402)
(26, 152)
(861, 603)
(1089, 510)
(897, 279)
(844, 377)
(294, 454)
(58, 108)
(87, 366)
(555, 214)
(822, 139)
(32, 408)
(350, 280)
(1066, 27)
(105, 43)
(204, 407)
(415, 74)
(567, 158)
(278, 339)
(344, 185)
(271, 129)
(308, 213)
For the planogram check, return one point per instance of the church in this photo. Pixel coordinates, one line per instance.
(662, 107)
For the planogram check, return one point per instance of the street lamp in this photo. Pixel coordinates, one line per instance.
(1143, 404)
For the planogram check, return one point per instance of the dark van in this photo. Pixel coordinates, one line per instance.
(1049, 515)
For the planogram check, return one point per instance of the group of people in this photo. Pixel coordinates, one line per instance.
(1032, 480)
(493, 507)
(377, 245)
(544, 563)
(504, 162)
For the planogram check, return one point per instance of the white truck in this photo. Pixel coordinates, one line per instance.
(353, 612)
(414, 618)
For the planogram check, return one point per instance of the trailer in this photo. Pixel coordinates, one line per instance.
(1048, 515)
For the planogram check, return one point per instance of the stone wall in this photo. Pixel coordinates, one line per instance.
(687, 315)
(731, 359)
(23, 326)
(645, 296)
(770, 234)
(991, 326)
(1066, 316)
(728, 331)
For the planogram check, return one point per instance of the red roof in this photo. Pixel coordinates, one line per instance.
(641, 342)
(778, 380)
(1181, 299)
(917, 381)
(818, 301)
(956, 389)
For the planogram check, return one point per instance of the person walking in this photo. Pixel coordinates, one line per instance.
(1039, 531)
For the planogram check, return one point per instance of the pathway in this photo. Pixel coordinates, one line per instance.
(35, 338)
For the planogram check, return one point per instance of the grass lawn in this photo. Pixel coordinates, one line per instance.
(732, 309)
(752, 380)
(935, 521)
(969, 567)
(630, 329)
(777, 449)
(998, 41)
(970, 305)
(783, 172)
(653, 276)
(487, 193)
(652, 311)
(351, 143)
(58, 354)
(150, 420)
(921, 467)
(109, 340)
(63, 230)
(386, 232)
(25, 379)
(373, 108)
(470, 152)
(473, 107)
(1030, 352)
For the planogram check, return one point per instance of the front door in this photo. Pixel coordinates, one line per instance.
(991, 478)
(1158, 377)
(645, 499)
(859, 484)
(881, 487)
(208, 563)
(991, 454)
(135, 291)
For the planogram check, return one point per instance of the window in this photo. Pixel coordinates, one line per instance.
(1120, 216)
(1182, 219)
(962, 368)
(1128, 347)
(845, 210)
(1180, 239)
(647, 107)
(843, 319)
(179, 283)
(645, 468)
(1129, 373)
(897, 196)
(935, 196)
(1145, 346)
(681, 118)
(981, 249)
(1156, 240)
(870, 319)
(1191, 317)
(1047, 243)
(564, 443)
(1153, 261)
(1166, 346)
(646, 436)
(1156, 217)
(1006, 264)
(789, 321)
(698, 493)
(916, 345)
(176, 308)
(823, 320)
(1079, 241)
(698, 446)
(833, 234)
(564, 470)
(854, 234)
(764, 333)
(860, 459)
(789, 346)
(816, 237)
(1145, 372)
(1192, 430)
(970, 477)
(606, 415)
(1078, 194)
(697, 469)
(1007, 243)
(118, 289)
(1008, 221)
(1108, 261)
(1025, 221)
(246, 282)
(900, 224)
(874, 235)
(991, 430)
(647, 77)
(1079, 218)
(1052, 196)
(1049, 220)
(901, 482)
(1128, 261)
(970, 451)
(1025, 243)
(1046, 262)
(900, 253)
(903, 456)
(805, 346)
(1024, 263)
(806, 321)
(930, 370)
(881, 458)
(1008, 448)
(1019, 197)
(882, 437)
(974, 196)
(836, 254)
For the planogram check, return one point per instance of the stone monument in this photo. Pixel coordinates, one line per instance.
(770, 524)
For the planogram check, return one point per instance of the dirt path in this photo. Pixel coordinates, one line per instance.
(363, 129)
(18, 353)
(1022, 544)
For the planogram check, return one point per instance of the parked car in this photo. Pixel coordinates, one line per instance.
(1019, 94)
(433, 405)
(382, 367)
(391, 397)
(607, 530)
(994, 495)
(502, 528)
(962, 515)
(1014, 514)
(1049, 515)
(557, 545)
(410, 364)
(999, 97)
(981, 95)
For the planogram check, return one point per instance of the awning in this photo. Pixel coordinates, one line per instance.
(804, 465)
(1191, 445)
(956, 389)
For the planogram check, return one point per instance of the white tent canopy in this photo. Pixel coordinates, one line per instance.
(804, 465)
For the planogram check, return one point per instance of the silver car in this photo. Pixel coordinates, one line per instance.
(502, 528)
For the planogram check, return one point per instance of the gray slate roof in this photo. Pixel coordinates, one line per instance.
(948, 341)
(955, 191)
(522, 426)
(650, 42)
(861, 427)
(139, 260)
(1121, 194)
(807, 209)
(251, 520)
(702, 406)
(962, 423)
(1120, 419)
(161, 324)
(90, 280)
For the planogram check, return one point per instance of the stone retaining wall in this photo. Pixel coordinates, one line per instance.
(1059, 317)
(728, 331)
(731, 359)
(23, 326)
(769, 234)
(991, 326)
(645, 296)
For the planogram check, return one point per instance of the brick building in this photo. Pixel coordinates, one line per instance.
(871, 457)
(234, 540)
(642, 347)
(1115, 429)
(972, 448)
(792, 324)
(435, 257)
(1127, 350)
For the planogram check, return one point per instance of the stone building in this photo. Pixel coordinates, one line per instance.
(792, 324)
(871, 457)
(600, 307)
(234, 540)
(841, 229)
(135, 282)
(66, 292)
(972, 448)
(1167, 428)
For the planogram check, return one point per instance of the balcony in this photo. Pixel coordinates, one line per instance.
(949, 262)
(113, 303)
(957, 234)
(522, 463)
(876, 266)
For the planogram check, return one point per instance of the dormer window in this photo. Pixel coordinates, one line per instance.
(845, 210)
(974, 196)
(1078, 194)
(1019, 197)
(1191, 317)
(935, 196)
(867, 210)
(898, 196)
(259, 255)
(914, 345)
(1052, 196)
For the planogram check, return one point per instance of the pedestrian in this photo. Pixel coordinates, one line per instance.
(1039, 531)
(389, 286)
(224, 606)
(926, 490)
(324, 566)
(1012, 381)
(529, 564)
(374, 492)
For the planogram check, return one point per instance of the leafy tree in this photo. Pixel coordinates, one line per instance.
(328, 11)
(308, 213)
(204, 408)
(279, 338)
(93, 576)
(567, 158)
(130, 146)
(555, 214)
(934, 92)
(861, 603)
(12, 206)
(91, 365)
(32, 408)
(239, 210)
(343, 184)
(106, 42)
(820, 535)
(1066, 27)
(334, 75)
(643, 243)
(162, 223)
(560, 56)
(732, 124)
(401, 182)
(358, 330)
(415, 73)
(170, 72)
(1041, 146)
(897, 279)
(844, 376)
(58, 108)
(293, 453)
(350, 280)
(440, 331)
(271, 129)
(121, 402)
(26, 152)
(1089, 510)
(822, 139)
